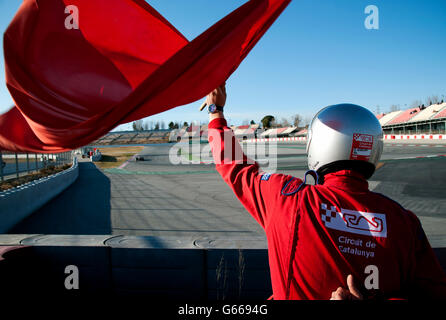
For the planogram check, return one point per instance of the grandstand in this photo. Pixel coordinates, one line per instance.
(194, 132)
(191, 132)
(404, 116)
(421, 120)
(243, 132)
(385, 118)
(132, 137)
(300, 133)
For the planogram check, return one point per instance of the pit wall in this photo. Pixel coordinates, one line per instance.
(149, 267)
(18, 203)
(152, 267)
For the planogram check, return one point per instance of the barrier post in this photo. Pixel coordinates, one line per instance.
(27, 162)
(16, 165)
(37, 165)
(1, 166)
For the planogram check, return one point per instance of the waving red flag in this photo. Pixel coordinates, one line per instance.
(73, 80)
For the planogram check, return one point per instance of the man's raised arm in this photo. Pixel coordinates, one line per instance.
(254, 188)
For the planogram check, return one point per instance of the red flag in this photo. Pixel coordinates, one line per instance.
(78, 68)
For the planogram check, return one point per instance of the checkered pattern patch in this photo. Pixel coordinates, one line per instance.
(328, 214)
(365, 223)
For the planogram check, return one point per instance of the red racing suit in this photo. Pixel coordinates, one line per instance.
(318, 234)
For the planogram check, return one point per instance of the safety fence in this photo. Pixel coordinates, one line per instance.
(14, 165)
(385, 137)
(415, 137)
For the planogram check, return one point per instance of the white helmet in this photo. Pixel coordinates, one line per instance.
(344, 136)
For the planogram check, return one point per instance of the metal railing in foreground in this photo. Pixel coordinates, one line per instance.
(14, 165)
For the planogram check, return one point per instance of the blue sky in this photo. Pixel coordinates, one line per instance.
(317, 53)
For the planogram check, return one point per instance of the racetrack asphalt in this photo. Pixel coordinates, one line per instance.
(156, 198)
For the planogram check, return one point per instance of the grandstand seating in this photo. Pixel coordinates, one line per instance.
(280, 131)
(289, 131)
(441, 113)
(268, 133)
(132, 137)
(245, 131)
(404, 116)
(379, 116)
(388, 117)
(428, 113)
(300, 133)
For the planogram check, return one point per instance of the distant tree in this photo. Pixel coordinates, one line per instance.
(378, 109)
(306, 121)
(157, 126)
(296, 120)
(171, 125)
(185, 124)
(415, 104)
(433, 99)
(145, 125)
(267, 121)
(284, 123)
(252, 122)
(394, 107)
(137, 125)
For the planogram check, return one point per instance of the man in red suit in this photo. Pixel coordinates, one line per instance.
(319, 234)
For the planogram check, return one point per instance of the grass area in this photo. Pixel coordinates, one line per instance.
(115, 156)
(12, 183)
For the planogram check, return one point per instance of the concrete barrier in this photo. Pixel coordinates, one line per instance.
(18, 203)
(152, 267)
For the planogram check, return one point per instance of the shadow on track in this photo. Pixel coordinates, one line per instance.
(83, 208)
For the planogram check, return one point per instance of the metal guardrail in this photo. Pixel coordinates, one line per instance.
(14, 165)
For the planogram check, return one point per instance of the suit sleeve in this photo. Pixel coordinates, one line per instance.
(255, 189)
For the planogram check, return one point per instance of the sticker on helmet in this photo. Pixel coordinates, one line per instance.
(361, 147)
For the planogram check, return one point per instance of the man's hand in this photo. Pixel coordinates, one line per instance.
(351, 294)
(217, 97)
